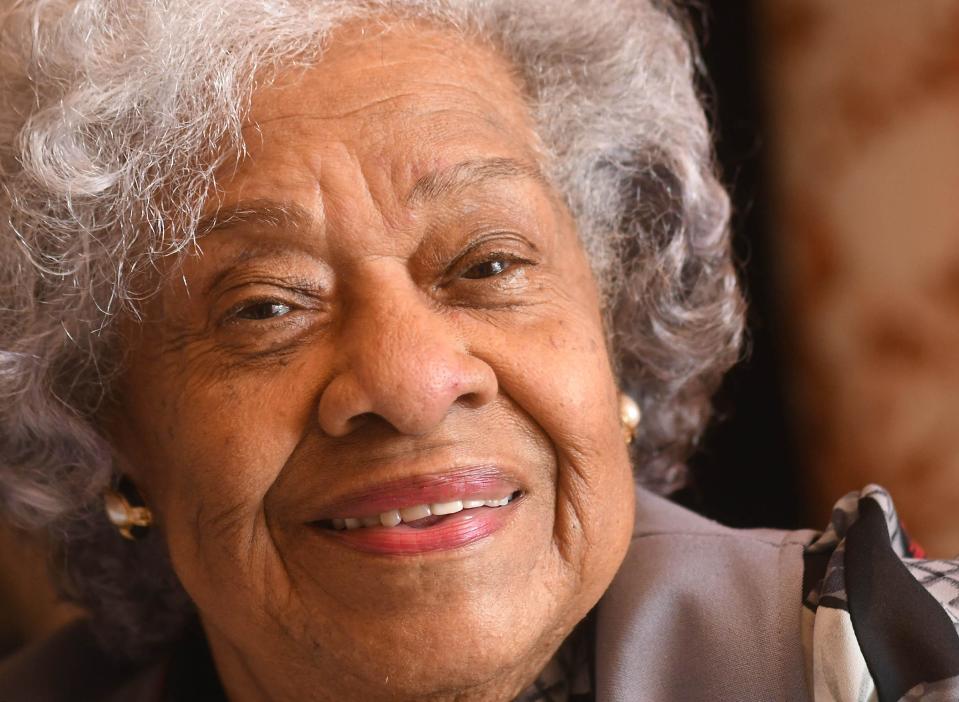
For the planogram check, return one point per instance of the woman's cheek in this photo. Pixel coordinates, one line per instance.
(223, 445)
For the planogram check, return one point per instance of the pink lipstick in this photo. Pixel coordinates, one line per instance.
(423, 513)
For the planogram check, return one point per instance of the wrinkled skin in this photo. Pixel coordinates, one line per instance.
(342, 332)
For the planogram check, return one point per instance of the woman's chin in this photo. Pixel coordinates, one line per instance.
(438, 610)
(458, 654)
(462, 653)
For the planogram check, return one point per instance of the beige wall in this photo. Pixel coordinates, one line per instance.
(864, 113)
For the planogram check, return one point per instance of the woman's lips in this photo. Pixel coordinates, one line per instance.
(395, 517)
(484, 482)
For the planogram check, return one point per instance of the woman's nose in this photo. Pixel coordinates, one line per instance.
(405, 367)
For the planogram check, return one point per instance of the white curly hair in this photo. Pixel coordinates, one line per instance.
(117, 114)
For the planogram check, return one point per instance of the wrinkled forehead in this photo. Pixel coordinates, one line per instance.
(407, 98)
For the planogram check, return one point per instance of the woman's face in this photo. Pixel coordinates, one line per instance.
(391, 309)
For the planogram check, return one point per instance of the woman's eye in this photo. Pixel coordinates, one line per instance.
(487, 269)
(263, 310)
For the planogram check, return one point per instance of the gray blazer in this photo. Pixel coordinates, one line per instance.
(701, 612)
(697, 612)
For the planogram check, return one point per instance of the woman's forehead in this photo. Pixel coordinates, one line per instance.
(395, 108)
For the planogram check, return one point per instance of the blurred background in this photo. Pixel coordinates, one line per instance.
(838, 134)
(837, 130)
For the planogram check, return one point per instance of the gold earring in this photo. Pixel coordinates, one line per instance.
(629, 416)
(125, 516)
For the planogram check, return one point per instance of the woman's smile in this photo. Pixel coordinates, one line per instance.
(428, 531)
(422, 513)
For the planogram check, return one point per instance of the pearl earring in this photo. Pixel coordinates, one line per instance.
(629, 416)
(124, 516)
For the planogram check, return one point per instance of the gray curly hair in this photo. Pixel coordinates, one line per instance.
(115, 117)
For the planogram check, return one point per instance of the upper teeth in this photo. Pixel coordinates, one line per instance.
(392, 517)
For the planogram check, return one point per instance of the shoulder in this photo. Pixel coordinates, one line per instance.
(676, 549)
(699, 611)
(70, 666)
(719, 609)
(656, 516)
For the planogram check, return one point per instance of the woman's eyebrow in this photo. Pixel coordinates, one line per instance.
(458, 177)
(431, 186)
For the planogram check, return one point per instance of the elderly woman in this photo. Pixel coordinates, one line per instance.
(326, 329)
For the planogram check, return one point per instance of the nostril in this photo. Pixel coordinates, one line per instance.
(361, 420)
(472, 400)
